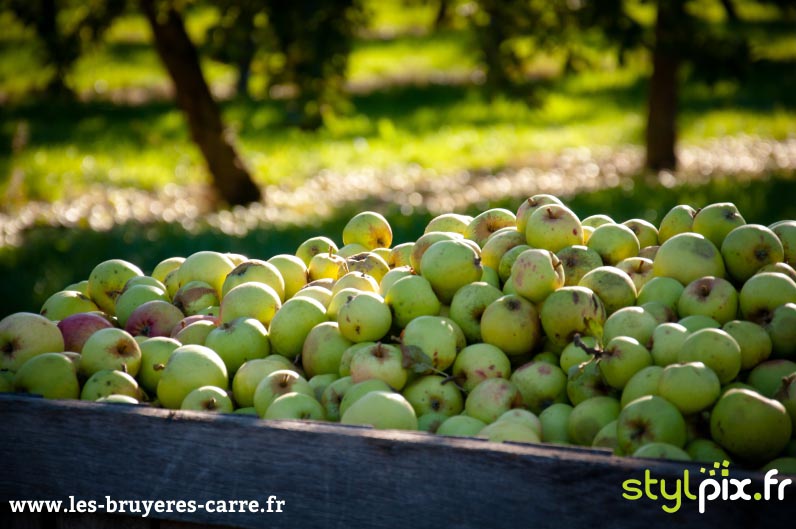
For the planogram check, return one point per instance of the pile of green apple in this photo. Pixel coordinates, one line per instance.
(676, 341)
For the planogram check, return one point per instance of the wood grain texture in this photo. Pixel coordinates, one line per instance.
(332, 475)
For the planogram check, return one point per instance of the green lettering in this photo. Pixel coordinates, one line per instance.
(677, 496)
(686, 488)
(632, 486)
(649, 480)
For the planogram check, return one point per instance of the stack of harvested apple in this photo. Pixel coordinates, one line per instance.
(676, 341)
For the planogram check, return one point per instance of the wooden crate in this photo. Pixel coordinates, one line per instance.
(329, 475)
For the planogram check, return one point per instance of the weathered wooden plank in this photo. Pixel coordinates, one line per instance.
(331, 475)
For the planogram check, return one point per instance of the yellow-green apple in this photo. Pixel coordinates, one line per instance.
(106, 282)
(594, 221)
(327, 265)
(450, 222)
(279, 383)
(530, 205)
(118, 399)
(365, 317)
(698, 322)
(143, 280)
(709, 296)
(461, 426)
(236, 258)
(661, 451)
(606, 438)
(190, 367)
(781, 328)
(573, 355)
(677, 220)
(172, 282)
(649, 252)
(153, 318)
(356, 391)
(357, 280)
(319, 293)
(65, 303)
(613, 286)
(553, 227)
(523, 416)
(786, 231)
(614, 242)
(448, 266)
(51, 375)
(640, 270)
(368, 228)
(435, 336)
(662, 313)
(292, 323)
(488, 222)
(622, 358)
(509, 431)
(511, 323)
(688, 256)
(238, 341)
(782, 268)
(589, 417)
(251, 300)
(555, 423)
(569, 311)
(351, 249)
(208, 398)
(155, 353)
(478, 362)
(369, 263)
(332, 397)
(430, 422)
(76, 329)
(507, 261)
(392, 276)
(314, 246)
(295, 405)
(536, 273)
(411, 297)
(662, 289)
(348, 354)
(110, 349)
(319, 383)
(191, 298)
(633, 322)
(786, 394)
(400, 255)
(644, 382)
(645, 231)
(749, 247)
(188, 320)
(208, 266)
(135, 296)
(716, 349)
(667, 340)
(715, 221)
(380, 361)
(383, 410)
(338, 300)
(293, 271)
(323, 349)
(649, 419)
(541, 385)
(784, 465)
(577, 261)
(251, 373)
(255, 270)
(751, 427)
(80, 286)
(195, 332)
(433, 393)
(754, 341)
(706, 451)
(468, 306)
(498, 244)
(585, 381)
(691, 386)
(767, 376)
(461, 339)
(491, 398)
(106, 382)
(165, 267)
(762, 293)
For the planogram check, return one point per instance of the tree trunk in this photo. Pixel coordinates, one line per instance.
(229, 175)
(663, 89)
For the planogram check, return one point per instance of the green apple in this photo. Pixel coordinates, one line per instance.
(369, 263)
(786, 231)
(640, 270)
(536, 273)
(688, 256)
(110, 349)
(338, 300)
(255, 270)
(598, 219)
(392, 277)
(786, 394)
(716, 349)
(357, 280)
(314, 246)
(134, 296)
(709, 296)
(750, 426)
(767, 376)
(383, 410)
(250, 300)
(323, 349)
(698, 322)
(461, 426)
(155, 353)
(662, 289)
(498, 244)
(585, 381)
(410, 297)
(208, 398)
(448, 266)
(478, 362)
(76, 328)
(292, 323)
(317, 291)
(555, 423)
(509, 431)
(606, 438)
(569, 311)
(649, 419)
(319, 383)
(164, 267)
(511, 323)
(577, 261)
(190, 367)
(357, 390)
(646, 233)
(530, 205)
(762, 293)
(614, 242)
(106, 282)
(24, 335)
(364, 318)
(614, 287)
(433, 393)
(691, 386)
(425, 242)
(649, 252)
(785, 465)
(195, 332)
(327, 266)
(449, 222)
(622, 358)
(190, 298)
(749, 247)
(662, 451)
(553, 227)
(662, 313)
(368, 228)
(106, 382)
(435, 336)
(64, 303)
(332, 397)
(644, 382)
(400, 255)
(153, 318)
(351, 249)
(589, 417)
(522, 416)
(491, 398)
(380, 361)
(51, 375)
(468, 305)
(118, 399)
(706, 451)
(238, 341)
(276, 384)
(574, 355)
(208, 266)
(507, 261)
(7, 381)
(782, 330)
(666, 342)
(541, 385)
(715, 221)
(782, 268)
(295, 405)
(753, 340)
(251, 373)
(488, 222)
(293, 271)
(348, 354)
(633, 322)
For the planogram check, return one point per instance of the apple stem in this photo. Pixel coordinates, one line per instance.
(591, 350)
